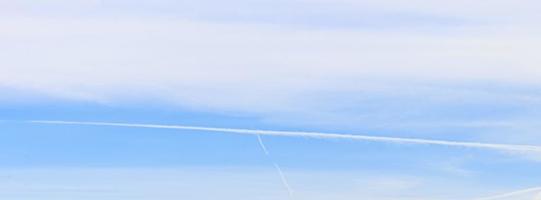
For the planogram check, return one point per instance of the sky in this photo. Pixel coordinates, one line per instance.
(458, 71)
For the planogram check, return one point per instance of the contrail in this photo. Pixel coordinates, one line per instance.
(317, 135)
(262, 145)
(284, 180)
(277, 167)
(512, 194)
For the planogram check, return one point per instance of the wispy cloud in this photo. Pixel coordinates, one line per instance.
(226, 183)
(204, 61)
(168, 60)
(534, 193)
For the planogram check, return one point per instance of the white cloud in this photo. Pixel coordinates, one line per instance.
(222, 64)
(225, 183)
(526, 194)
(272, 70)
(461, 8)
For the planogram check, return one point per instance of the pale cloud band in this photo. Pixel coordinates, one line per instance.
(515, 194)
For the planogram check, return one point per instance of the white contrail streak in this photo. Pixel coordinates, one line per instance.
(284, 180)
(277, 167)
(512, 194)
(262, 145)
(318, 135)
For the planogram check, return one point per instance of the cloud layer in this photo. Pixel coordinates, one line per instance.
(257, 66)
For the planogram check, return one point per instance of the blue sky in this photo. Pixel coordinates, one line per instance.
(441, 70)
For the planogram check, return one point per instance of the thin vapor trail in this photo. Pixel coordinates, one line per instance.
(277, 167)
(262, 145)
(317, 135)
(284, 180)
(512, 194)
